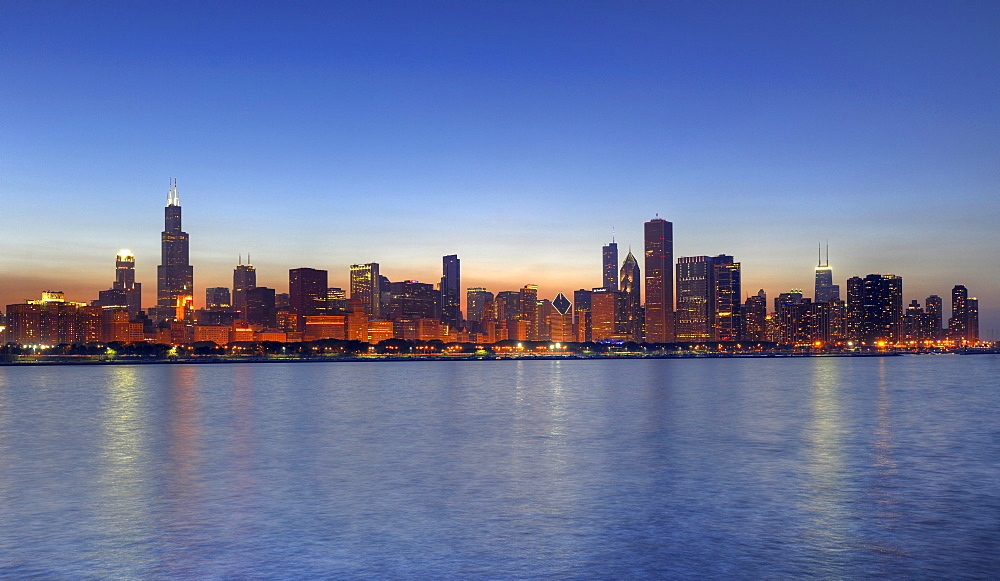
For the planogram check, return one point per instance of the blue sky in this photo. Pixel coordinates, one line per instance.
(515, 135)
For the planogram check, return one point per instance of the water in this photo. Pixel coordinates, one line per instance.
(715, 468)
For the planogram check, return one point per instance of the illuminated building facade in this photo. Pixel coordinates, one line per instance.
(708, 298)
(610, 266)
(125, 282)
(875, 309)
(755, 317)
(244, 279)
(659, 255)
(366, 284)
(825, 290)
(475, 300)
(174, 275)
(412, 300)
(963, 325)
(217, 297)
(934, 307)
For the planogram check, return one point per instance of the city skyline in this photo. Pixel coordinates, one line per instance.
(512, 136)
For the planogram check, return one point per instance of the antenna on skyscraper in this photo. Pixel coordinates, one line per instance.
(241, 259)
(828, 252)
(612, 233)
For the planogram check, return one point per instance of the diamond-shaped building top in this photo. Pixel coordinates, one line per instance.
(561, 304)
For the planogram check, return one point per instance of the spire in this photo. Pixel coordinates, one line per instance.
(241, 260)
(612, 234)
(828, 252)
(819, 255)
(172, 199)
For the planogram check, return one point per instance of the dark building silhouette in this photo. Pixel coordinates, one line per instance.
(413, 300)
(306, 293)
(174, 275)
(451, 291)
(261, 308)
(659, 253)
(610, 266)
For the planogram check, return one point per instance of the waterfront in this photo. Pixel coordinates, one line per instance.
(736, 468)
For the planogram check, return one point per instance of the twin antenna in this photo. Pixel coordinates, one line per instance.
(819, 252)
(172, 199)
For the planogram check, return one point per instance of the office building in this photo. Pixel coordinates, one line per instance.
(875, 309)
(451, 292)
(708, 299)
(244, 279)
(610, 266)
(631, 285)
(825, 290)
(307, 293)
(476, 299)
(366, 284)
(174, 275)
(659, 258)
(217, 298)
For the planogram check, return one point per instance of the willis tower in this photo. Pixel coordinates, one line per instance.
(174, 275)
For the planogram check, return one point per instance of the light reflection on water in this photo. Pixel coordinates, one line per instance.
(819, 467)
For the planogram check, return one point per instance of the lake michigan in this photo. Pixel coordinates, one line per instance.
(822, 467)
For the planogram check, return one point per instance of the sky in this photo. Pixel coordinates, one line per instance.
(516, 135)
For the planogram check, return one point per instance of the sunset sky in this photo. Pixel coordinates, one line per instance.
(514, 134)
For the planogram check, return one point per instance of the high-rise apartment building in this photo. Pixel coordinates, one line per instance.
(366, 284)
(451, 292)
(875, 309)
(963, 325)
(261, 308)
(659, 253)
(934, 307)
(174, 275)
(755, 317)
(631, 284)
(528, 301)
(244, 279)
(306, 293)
(610, 266)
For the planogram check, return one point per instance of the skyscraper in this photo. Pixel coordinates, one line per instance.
(631, 281)
(875, 308)
(476, 299)
(306, 293)
(124, 291)
(366, 284)
(659, 240)
(244, 279)
(755, 317)
(610, 256)
(451, 292)
(963, 326)
(826, 291)
(217, 297)
(708, 298)
(727, 320)
(694, 283)
(174, 275)
(934, 307)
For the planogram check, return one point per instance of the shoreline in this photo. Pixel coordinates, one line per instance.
(211, 360)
